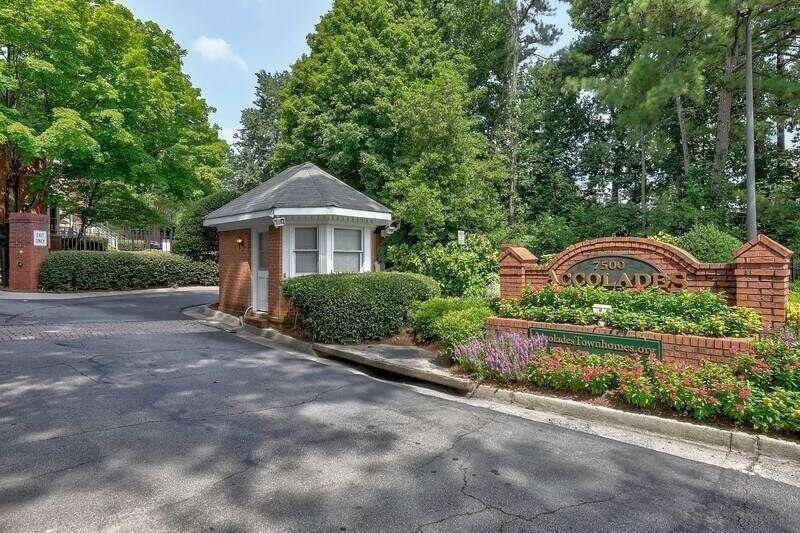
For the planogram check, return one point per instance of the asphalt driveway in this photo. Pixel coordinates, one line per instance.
(119, 413)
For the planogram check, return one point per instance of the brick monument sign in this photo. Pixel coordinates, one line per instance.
(757, 278)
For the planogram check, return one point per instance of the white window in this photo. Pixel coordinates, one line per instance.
(306, 251)
(348, 250)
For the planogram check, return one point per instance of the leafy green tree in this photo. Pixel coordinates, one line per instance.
(98, 101)
(256, 140)
(383, 102)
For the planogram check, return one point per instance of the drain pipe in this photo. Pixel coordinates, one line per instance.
(241, 318)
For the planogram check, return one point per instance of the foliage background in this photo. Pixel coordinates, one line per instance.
(635, 128)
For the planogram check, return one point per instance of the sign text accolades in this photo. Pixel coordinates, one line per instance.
(618, 272)
(599, 344)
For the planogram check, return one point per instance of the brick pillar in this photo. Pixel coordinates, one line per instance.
(513, 260)
(761, 268)
(280, 310)
(25, 256)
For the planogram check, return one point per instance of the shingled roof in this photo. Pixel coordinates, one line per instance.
(301, 186)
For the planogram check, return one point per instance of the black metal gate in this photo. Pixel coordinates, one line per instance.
(4, 255)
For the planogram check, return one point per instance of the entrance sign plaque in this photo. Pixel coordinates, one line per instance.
(600, 344)
(617, 272)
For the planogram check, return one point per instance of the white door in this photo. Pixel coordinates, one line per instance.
(262, 272)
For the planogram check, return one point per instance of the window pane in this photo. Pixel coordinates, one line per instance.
(306, 262)
(347, 262)
(263, 251)
(305, 239)
(347, 239)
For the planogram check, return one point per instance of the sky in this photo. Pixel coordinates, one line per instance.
(228, 41)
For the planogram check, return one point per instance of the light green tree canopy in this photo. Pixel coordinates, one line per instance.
(99, 100)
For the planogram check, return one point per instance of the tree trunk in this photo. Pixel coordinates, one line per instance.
(13, 178)
(780, 68)
(724, 113)
(512, 92)
(752, 227)
(84, 215)
(644, 182)
(687, 162)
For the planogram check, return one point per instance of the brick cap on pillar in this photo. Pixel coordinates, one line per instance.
(28, 217)
(517, 254)
(765, 242)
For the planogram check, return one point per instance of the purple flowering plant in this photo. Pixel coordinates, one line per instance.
(501, 356)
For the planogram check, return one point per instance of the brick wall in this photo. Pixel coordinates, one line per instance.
(25, 259)
(280, 310)
(758, 277)
(234, 271)
(687, 349)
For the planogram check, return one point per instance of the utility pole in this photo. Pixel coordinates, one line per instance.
(752, 225)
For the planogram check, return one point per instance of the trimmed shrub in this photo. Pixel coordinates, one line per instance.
(131, 245)
(793, 309)
(92, 271)
(351, 308)
(709, 244)
(425, 314)
(191, 238)
(793, 316)
(458, 327)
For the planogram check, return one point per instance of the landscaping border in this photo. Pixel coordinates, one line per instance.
(689, 349)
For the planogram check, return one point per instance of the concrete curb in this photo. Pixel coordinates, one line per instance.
(204, 312)
(735, 441)
(382, 363)
(12, 295)
(234, 324)
(278, 337)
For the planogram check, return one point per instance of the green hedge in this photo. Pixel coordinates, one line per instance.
(87, 271)
(191, 238)
(425, 314)
(350, 308)
(684, 312)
